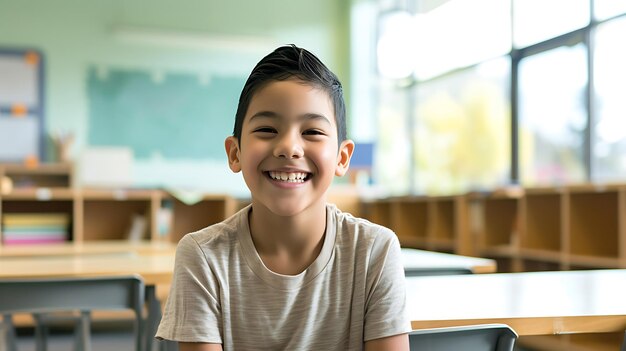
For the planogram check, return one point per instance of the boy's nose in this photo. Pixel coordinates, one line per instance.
(288, 147)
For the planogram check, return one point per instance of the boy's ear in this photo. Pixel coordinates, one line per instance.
(343, 158)
(232, 151)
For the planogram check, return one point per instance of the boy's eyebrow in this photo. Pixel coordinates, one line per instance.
(306, 116)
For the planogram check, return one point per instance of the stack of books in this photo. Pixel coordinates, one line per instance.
(35, 228)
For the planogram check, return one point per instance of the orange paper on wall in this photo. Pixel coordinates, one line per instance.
(19, 110)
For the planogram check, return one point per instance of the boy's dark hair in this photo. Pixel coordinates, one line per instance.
(287, 62)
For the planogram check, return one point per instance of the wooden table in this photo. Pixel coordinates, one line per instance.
(540, 303)
(420, 260)
(144, 247)
(154, 263)
(154, 269)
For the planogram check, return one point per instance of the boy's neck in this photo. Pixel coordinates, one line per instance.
(288, 245)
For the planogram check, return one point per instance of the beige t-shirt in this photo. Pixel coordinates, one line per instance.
(222, 292)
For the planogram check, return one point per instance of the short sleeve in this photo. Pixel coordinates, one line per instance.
(192, 311)
(386, 300)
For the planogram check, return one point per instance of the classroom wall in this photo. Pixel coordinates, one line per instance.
(196, 37)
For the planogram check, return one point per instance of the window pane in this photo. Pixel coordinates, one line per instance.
(462, 130)
(537, 20)
(391, 156)
(460, 33)
(608, 8)
(552, 116)
(609, 76)
(394, 50)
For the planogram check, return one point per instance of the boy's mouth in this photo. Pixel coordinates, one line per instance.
(289, 177)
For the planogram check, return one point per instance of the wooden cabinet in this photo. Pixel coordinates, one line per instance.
(431, 223)
(55, 175)
(98, 214)
(532, 229)
(116, 214)
(187, 218)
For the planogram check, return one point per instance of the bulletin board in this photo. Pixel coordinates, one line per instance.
(174, 115)
(21, 105)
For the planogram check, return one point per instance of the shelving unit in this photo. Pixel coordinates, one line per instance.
(51, 175)
(98, 214)
(598, 212)
(532, 229)
(108, 214)
(410, 221)
(379, 211)
(541, 231)
(189, 218)
(34, 201)
(431, 223)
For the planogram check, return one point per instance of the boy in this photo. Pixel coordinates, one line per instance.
(288, 272)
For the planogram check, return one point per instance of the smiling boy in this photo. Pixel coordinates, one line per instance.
(289, 271)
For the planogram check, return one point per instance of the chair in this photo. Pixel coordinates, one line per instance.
(429, 271)
(481, 337)
(44, 297)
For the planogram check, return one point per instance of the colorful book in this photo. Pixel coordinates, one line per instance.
(35, 219)
(20, 241)
(31, 228)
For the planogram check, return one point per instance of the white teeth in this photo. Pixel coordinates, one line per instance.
(289, 177)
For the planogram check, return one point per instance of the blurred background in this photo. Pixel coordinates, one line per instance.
(444, 97)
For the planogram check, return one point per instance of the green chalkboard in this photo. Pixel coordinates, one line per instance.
(175, 115)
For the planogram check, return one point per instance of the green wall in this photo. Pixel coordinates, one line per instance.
(211, 40)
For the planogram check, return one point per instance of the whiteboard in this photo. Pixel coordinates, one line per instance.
(174, 115)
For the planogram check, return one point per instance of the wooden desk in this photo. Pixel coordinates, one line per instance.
(413, 259)
(416, 260)
(88, 248)
(540, 303)
(155, 269)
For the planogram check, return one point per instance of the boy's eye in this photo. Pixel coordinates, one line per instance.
(265, 130)
(313, 132)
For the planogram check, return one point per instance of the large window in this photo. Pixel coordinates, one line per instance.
(535, 21)
(461, 134)
(552, 116)
(503, 92)
(609, 151)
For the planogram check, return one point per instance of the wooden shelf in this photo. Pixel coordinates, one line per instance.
(410, 220)
(50, 175)
(379, 211)
(442, 217)
(432, 223)
(500, 218)
(542, 255)
(112, 219)
(541, 219)
(109, 214)
(40, 194)
(190, 218)
(566, 227)
(499, 251)
(594, 223)
(586, 262)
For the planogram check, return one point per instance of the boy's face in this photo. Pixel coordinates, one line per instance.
(288, 151)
